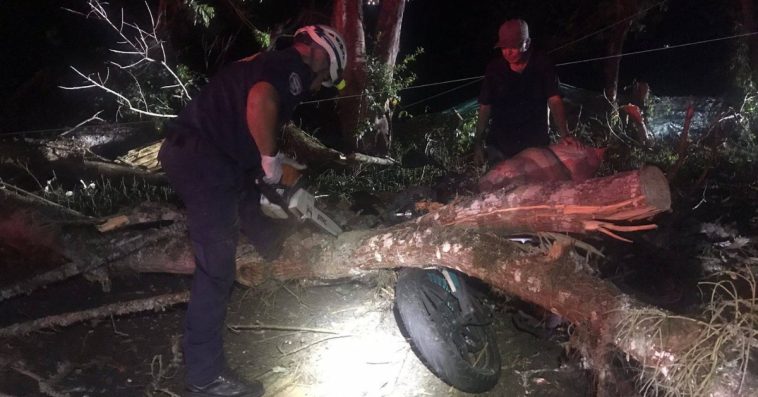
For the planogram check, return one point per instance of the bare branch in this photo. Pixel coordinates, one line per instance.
(134, 44)
(92, 118)
(123, 100)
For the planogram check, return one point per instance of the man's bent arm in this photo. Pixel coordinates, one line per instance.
(555, 103)
(262, 117)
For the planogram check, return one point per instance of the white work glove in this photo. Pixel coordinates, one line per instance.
(272, 167)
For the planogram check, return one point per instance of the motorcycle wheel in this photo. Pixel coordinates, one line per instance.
(464, 356)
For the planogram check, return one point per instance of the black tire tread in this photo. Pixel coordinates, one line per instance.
(441, 356)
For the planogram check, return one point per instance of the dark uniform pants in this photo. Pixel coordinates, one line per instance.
(218, 198)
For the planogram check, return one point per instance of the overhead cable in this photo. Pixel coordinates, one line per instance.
(608, 27)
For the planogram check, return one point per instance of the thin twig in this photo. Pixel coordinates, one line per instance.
(315, 343)
(44, 386)
(266, 327)
(92, 118)
(115, 331)
(299, 301)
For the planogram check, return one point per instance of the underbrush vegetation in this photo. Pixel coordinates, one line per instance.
(104, 197)
(427, 149)
(724, 333)
(726, 147)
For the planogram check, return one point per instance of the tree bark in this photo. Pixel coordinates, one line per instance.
(455, 237)
(387, 47)
(82, 155)
(615, 46)
(310, 151)
(548, 278)
(154, 303)
(749, 26)
(388, 26)
(602, 204)
(597, 204)
(347, 18)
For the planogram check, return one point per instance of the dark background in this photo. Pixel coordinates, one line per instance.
(39, 41)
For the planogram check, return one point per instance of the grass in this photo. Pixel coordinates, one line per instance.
(721, 348)
(104, 197)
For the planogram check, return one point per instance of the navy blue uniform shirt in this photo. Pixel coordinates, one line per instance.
(218, 113)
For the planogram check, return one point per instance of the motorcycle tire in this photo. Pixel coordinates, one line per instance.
(464, 356)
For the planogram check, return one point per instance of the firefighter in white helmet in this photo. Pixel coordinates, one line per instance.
(224, 138)
(331, 41)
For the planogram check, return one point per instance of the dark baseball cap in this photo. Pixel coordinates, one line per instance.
(512, 34)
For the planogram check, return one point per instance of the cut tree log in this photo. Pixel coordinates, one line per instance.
(462, 236)
(550, 279)
(600, 204)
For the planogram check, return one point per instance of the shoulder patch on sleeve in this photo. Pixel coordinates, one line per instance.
(296, 85)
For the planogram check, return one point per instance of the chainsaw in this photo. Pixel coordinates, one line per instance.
(289, 200)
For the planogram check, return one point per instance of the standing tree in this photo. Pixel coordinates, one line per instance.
(623, 14)
(365, 126)
(620, 11)
(747, 12)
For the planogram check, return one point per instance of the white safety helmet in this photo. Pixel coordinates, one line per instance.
(334, 45)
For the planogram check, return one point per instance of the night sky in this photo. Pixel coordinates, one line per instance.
(39, 41)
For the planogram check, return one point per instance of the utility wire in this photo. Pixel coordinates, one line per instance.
(660, 3)
(476, 78)
(333, 99)
(607, 27)
(402, 89)
(664, 48)
(59, 130)
(441, 82)
(443, 92)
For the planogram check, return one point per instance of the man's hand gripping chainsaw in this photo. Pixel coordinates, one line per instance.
(288, 200)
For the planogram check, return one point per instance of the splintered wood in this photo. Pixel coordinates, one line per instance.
(145, 157)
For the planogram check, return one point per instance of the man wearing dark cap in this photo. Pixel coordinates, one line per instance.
(518, 88)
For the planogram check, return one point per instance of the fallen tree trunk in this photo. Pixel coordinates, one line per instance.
(453, 237)
(87, 155)
(66, 165)
(309, 150)
(600, 204)
(547, 278)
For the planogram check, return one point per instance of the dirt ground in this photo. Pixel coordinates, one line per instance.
(337, 339)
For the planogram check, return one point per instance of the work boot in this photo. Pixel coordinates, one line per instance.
(227, 384)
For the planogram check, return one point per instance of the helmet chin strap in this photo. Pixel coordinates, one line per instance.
(326, 73)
